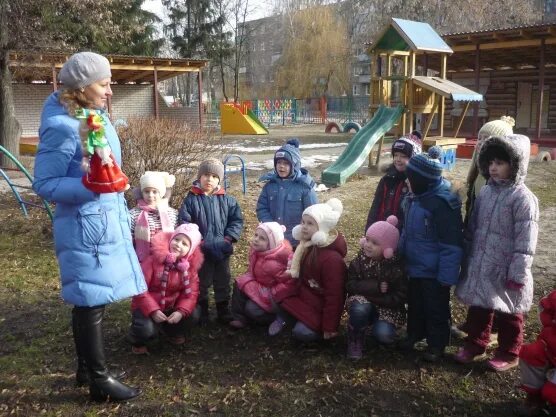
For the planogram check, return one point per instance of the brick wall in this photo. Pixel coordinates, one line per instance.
(128, 100)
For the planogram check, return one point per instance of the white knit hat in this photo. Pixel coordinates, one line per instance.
(499, 127)
(326, 215)
(274, 232)
(157, 179)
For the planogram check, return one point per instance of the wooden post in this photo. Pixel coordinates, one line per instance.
(477, 87)
(54, 75)
(431, 115)
(411, 89)
(389, 81)
(442, 99)
(155, 92)
(109, 103)
(541, 89)
(200, 88)
(404, 92)
(371, 68)
(461, 117)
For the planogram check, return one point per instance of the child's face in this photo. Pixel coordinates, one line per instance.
(180, 245)
(309, 227)
(372, 249)
(209, 182)
(151, 196)
(259, 242)
(283, 168)
(499, 170)
(400, 161)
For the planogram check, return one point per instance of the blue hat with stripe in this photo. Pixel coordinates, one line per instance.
(427, 165)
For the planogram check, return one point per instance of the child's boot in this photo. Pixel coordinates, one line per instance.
(223, 312)
(204, 317)
(356, 340)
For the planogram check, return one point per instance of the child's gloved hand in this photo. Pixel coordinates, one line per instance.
(512, 285)
(329, 335)
(175, 317)
(218, 250)
(383, 287)
(158, 316)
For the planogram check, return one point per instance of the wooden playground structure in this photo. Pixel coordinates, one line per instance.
(395, 81)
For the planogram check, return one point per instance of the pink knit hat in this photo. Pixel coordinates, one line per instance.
(274, 232)
(386, 234)
(191, 230)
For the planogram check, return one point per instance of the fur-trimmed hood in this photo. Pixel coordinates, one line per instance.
(518, 148)
(160, 248)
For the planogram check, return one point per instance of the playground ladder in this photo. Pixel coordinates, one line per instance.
(22, 203)
(235, 170)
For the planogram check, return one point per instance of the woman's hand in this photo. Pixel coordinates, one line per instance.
(158, 316)
(329, 335)
(175, 317)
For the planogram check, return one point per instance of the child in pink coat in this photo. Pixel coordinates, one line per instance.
(268, 259)
(171, 274)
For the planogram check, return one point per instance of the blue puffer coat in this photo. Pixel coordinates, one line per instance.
(218, 216)
(91, 231)
(284, 200)
(432, 237)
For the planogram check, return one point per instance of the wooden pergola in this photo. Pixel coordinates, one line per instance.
(44, 67)
(515, 48)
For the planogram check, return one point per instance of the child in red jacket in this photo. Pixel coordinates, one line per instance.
(268, 260)
(313, 301)
(537, 362)
(171, 274)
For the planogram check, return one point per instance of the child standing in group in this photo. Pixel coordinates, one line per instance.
(503, 236)
(376, 287)
(152, 213)
(431, 242)
(537, 362)
(392, 187)
(289, 190)
(313, 301)
(170, 302)
(268, 260)
(220, 221)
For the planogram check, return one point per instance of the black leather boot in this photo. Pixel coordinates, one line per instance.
(223, 314)
(102, 386)
(204, 316)
(82, 373)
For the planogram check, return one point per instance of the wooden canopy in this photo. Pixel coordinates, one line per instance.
(41, 66)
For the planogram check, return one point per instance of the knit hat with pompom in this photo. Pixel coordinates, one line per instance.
(386, 234)
(326, 215)
(290, 152)
(427, 165)
(274, 233)
(500, 128)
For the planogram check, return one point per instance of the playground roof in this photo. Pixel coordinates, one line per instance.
(515, 47)
(40, 66)
(407, 35)
(447, 88)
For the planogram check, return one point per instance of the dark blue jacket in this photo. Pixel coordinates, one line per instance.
(284, 200)
(218, 217)
(432, 237)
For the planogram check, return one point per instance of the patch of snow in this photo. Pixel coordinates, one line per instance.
(247, 149)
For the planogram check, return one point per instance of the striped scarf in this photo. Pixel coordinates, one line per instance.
(171, 264)
(143, 233)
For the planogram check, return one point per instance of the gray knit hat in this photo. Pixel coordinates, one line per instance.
(211, 166)
(83, 69)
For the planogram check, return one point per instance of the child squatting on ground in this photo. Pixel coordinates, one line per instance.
(537, 362)
(501, 238)
(431, 242)
(152, 213)
(220, 222)
(377, 288)
(313, 301)
(289, 190)
(392, 187)
(170, 303)
(268, 260)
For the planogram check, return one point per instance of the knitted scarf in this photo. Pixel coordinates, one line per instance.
(171, 264)
(294, 267)
(143, 233)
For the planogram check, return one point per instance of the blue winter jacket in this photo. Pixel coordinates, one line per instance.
(432, 237)
(218, 216)
(284, 200)
(91, 231)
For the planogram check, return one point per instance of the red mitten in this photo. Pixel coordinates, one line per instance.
(512, 285)
(534, 354)
(549, 392)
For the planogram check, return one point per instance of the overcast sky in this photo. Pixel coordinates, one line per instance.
(259, 9)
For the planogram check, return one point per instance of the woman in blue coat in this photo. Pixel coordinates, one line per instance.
(98, 265)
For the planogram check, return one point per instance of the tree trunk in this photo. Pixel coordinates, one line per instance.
(223, 79)
(10, 129)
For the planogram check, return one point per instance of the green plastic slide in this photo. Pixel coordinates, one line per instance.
(361, 144)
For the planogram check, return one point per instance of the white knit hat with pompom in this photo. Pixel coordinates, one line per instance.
(326, 215)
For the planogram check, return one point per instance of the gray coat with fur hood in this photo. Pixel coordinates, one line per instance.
(502, 235)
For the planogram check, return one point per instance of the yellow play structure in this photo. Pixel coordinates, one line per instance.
(394, 81)
(238, 120)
